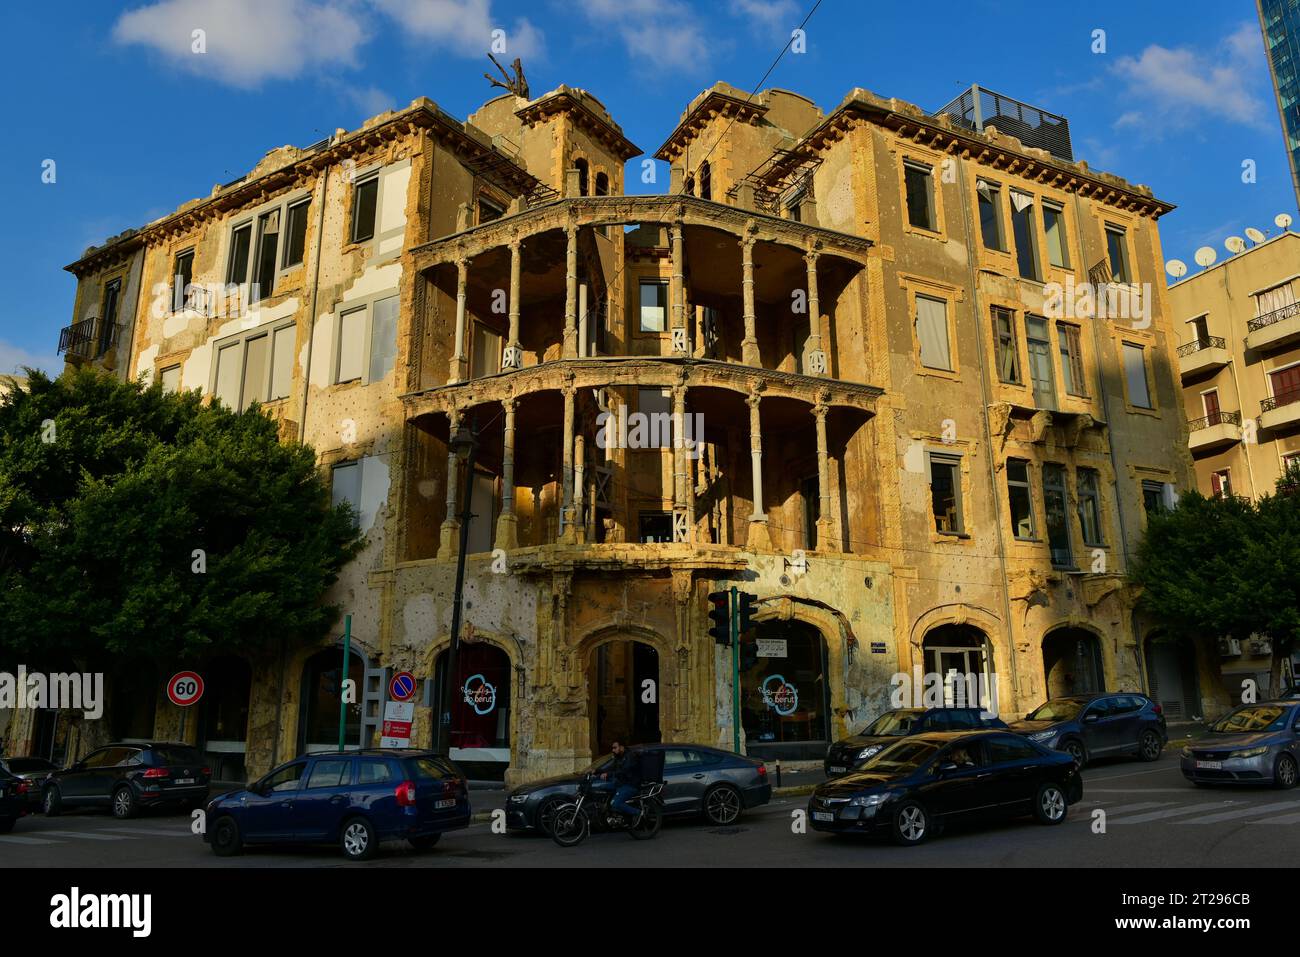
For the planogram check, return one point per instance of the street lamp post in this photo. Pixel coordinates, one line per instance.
(465, 444)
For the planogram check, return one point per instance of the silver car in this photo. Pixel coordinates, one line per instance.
(1256, 743)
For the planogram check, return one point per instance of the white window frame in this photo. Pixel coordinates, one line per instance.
(367, 335)
(250, 218)
(241, 339)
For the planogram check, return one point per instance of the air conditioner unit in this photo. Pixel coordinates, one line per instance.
(1229, 647)
(1260, 646)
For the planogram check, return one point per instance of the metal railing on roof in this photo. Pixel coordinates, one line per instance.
(978, 108)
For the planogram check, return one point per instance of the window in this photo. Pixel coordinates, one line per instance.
(1005, 748)
(485, 354)
(352, 333)
(932, 333)
(1004, 332)
(1221, 483)
(1199, 329)
(581, 167)
(1058, 248)
(296, 242)
(170, 378)
(1157, 496)
(182, 275)
(989, 195)
(1210, 403)
(1022, 227)
(706, 181)
(1135, 374)
(1054, 507)
(1020, 499)
(286, 779)
(330, 774)
(1067, 336)
(654, 306)
(918, 182)
(654, 402)
(1285, 384)
(257, 252)
(1117, 253)
(1273, 299)
(1040, 362)
(945, 493)
(602, 184)
(240, 243)
(108, 324)
(346, 484)
(1090, 506)
(256, 366)
(282, 343)
(365, 201)
(655, 527)
(383, 337)
(488, 210)
(268, 240)
(373, 772)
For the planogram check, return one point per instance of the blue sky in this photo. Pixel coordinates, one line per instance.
(137, 123)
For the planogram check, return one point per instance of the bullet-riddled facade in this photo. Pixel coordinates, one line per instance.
(826, 366)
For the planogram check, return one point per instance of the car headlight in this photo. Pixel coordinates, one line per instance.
(868, 752)
(1042, 735)
(518, 798)
(871, 800)
(1249, 752)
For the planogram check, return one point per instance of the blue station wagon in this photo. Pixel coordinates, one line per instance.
(355, 799)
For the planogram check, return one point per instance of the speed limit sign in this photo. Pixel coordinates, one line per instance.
(185, 688)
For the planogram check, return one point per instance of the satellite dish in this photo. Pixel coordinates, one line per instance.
(1254, 235)
(1205, 256)
(1176, 268)
(1234, 244)
(1283, 220)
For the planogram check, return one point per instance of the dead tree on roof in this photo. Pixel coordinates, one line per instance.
(514, 82)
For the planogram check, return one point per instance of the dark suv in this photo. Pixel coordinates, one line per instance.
(355, 799)
(128, 777)
(844, 757)
(1091, 726)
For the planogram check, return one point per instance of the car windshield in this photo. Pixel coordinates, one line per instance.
(598, 764)
(430, 769)
(894, 724)
(1063, 709)
(902, 757)
(1252, 718)
(164, 757)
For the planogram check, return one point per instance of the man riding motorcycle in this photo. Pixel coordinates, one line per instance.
(623, 778)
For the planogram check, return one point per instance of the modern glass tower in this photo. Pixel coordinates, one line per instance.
(1280, 21)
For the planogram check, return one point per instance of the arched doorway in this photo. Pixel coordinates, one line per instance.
(784, 699)
(322, 696)
(223, 716)
(134, 700)
(480, 709)
(1171, 676)
(1072, 662)
(962, 656)
(623, 676)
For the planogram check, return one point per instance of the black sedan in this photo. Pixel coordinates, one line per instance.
(698, 780)
(1091, 726)
(35, 771)
(846, 756)
(915, 787)
(128, 777)
(13, 800)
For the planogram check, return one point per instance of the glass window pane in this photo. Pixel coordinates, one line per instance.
(1054, 505)
(296, 241)
(364, 199)
(1054, 229)
(1040, 362)
(282, 362)
(171, 378)
(932, 332)
(383, 337)
(347, 484)
(1008, 353)
(1135, 372)
(229, 374)
(1019, 499)
(486, 351)
(1022, 226)
(918, 183)
(352, 331)
(945, 493)
(255, 371)
(268, 239)
(990, 208)
(240, 243)
(654, 306)
(1117, 252)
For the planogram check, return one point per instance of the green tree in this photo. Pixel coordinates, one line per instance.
(137, 523)
(1226, 567)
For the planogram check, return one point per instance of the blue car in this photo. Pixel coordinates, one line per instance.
(355, 799)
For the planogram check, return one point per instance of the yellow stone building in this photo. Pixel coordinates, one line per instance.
(885, 429)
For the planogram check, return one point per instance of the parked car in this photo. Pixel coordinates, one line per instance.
(1088, 726)
(35, 771)
(355, 799)
(128, 777)
(1256, 743)
(916, 786)
(13, 800)
(846, 756)
(698, 780)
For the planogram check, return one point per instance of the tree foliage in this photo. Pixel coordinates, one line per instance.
(135, 522)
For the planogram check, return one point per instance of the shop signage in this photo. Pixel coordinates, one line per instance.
(877, 647)
(772, 648)
(398, 716)
(479, 695)
(780, 695)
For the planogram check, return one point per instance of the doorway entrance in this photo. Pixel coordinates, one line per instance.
(625, 688)
(963, 658)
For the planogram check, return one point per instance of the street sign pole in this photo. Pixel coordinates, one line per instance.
(735, 674)
(343, 682)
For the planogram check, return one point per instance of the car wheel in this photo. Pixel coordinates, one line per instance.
(7, 824)
(1150, 746)
(52, 803)
(226, 840)
(911, 824)
(1284, 772)
(722, 805)
(1050, 805)
(123, 804)
(358, 839)
(546, 814)
(424, 843)
(1075, 749)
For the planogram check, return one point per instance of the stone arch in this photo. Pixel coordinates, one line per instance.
(298, 680)
(591, 653)
(1078, 670)
(999, 656)
(429, 671)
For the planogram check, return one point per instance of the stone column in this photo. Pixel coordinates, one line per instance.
(749, 345)
(814, 358)
(571, 293)
(507, 521)
(583, 336)
(579, 517)
(826, 541)
(513, 357)
(451, 524)
(566, 484)
(759, 537)
(681, 520)
(457, 371)
(681, 345)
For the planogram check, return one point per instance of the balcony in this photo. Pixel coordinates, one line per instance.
(1214, 432)
(88, 339)
(1202, 356)
(1281, 411)
(1276, 328)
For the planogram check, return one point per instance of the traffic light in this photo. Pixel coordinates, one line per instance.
(720, 615)
(746, 605)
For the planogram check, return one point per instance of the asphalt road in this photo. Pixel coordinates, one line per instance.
(1153, 818)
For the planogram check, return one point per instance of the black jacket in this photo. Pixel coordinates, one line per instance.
(627, 769)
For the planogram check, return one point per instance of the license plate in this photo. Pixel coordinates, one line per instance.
(449, 802)
(823, 816)
(837, 770)
(1212, 765)
(183, 781)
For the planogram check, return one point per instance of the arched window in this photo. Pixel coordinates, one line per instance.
(706, 181)
(480, 708)
(784, 701)
(223, 716)
(581, 166)
(690, 186)
(134, 702)
(602, 184)
(962, 657)
(322, 696)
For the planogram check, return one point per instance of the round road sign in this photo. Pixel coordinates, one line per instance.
(402, 687)
(185, 688)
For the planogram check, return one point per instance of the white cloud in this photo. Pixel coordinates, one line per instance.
(665, 34)
(463, 27)
(1181, 87)
(247, 41)
(769, 14)
(13, 358)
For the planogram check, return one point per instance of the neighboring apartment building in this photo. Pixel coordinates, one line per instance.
(1240, 367)
(1280, 22)
(913, 458)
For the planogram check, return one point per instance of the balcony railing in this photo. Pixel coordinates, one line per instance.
(1217, 418)
(1277, 315)
(1209, 342)
(88, 338)
(1282, 398)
